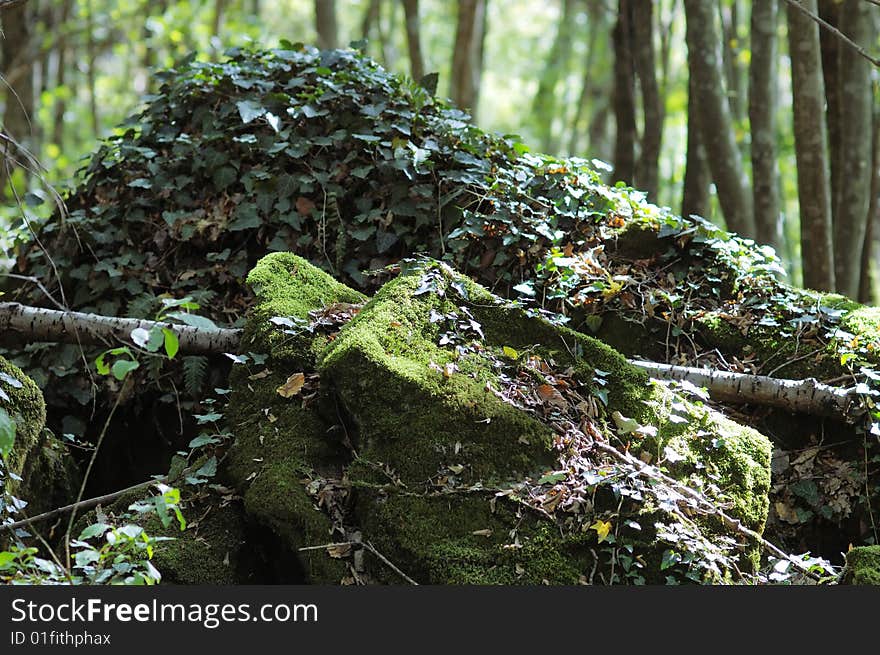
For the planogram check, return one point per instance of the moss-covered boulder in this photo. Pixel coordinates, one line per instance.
(22, 403)
(282, 448)
(862, 566)
(468, 440)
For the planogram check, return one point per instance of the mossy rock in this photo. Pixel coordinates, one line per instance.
(51, 477)
(22, 401)
(280, 446)
(422, 371)
(862, 566)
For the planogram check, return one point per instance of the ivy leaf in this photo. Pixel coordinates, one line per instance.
(94, 530)
(249, 110)
(140, 337)
(123, 367)
(7, 433)
(602, 528)
(552, 478)
(11, 381)
(193, 320)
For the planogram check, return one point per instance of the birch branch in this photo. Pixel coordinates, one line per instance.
(800, 396)
(38, 324)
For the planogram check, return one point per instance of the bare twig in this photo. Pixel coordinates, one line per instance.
(83, 504)
(731, 523)
(833, 30)
(389, 563)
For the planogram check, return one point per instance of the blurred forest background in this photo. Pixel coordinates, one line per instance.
(751, 114)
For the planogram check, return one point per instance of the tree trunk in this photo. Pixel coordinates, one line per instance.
(762, 118)
(624, 96)
(48, 325)
(870, 250)
(695, 197)
(544, 105)
(92, 56)
(18, 74)
(467, 56)
(589, 85)
(325, 23)
(414, 38)
(60, 74)
(714, 118)
(648, 167)
(808, 103)
(731, 49)
(850, 220)
(830, 47)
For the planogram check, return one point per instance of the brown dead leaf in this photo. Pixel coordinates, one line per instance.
(551, 396)
(338, 551)
(304, 206)
(292, 386)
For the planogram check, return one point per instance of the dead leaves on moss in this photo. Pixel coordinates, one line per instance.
(292, 386)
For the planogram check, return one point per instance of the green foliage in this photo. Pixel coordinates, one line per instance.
(105, 552)
(7, 433)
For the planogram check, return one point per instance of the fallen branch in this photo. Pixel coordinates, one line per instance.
(83, 504)
(37, 324)
(800, 396)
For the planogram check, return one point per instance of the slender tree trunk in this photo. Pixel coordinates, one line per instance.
(414, 38)
(544, 105)
(624, 96)
(666, 29)
(467, 56)
(588, 84)
(714, 119)
(92, 55)
(60, 74)
(762, 118)
(18, 74)
(856, 111)
(217, 18)
(732, 65)
(814, 194)
(870, 250)
(325, 23)
(648, 167)
(695, 197)
(830, 47)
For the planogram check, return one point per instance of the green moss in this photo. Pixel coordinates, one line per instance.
(288, 286)
(862, 566)
(280, 445)
(416, 425)
(207, 552)
(410, 415)
(716, 453)
(27, 409)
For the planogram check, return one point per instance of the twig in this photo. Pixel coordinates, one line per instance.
(836, 32)
(389, 563)
(83, 504)
(729, 521)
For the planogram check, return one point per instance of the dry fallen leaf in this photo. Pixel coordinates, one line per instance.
(338, 551)
(292, 386)
(482, 533)
(551, 396)
(304, 206)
